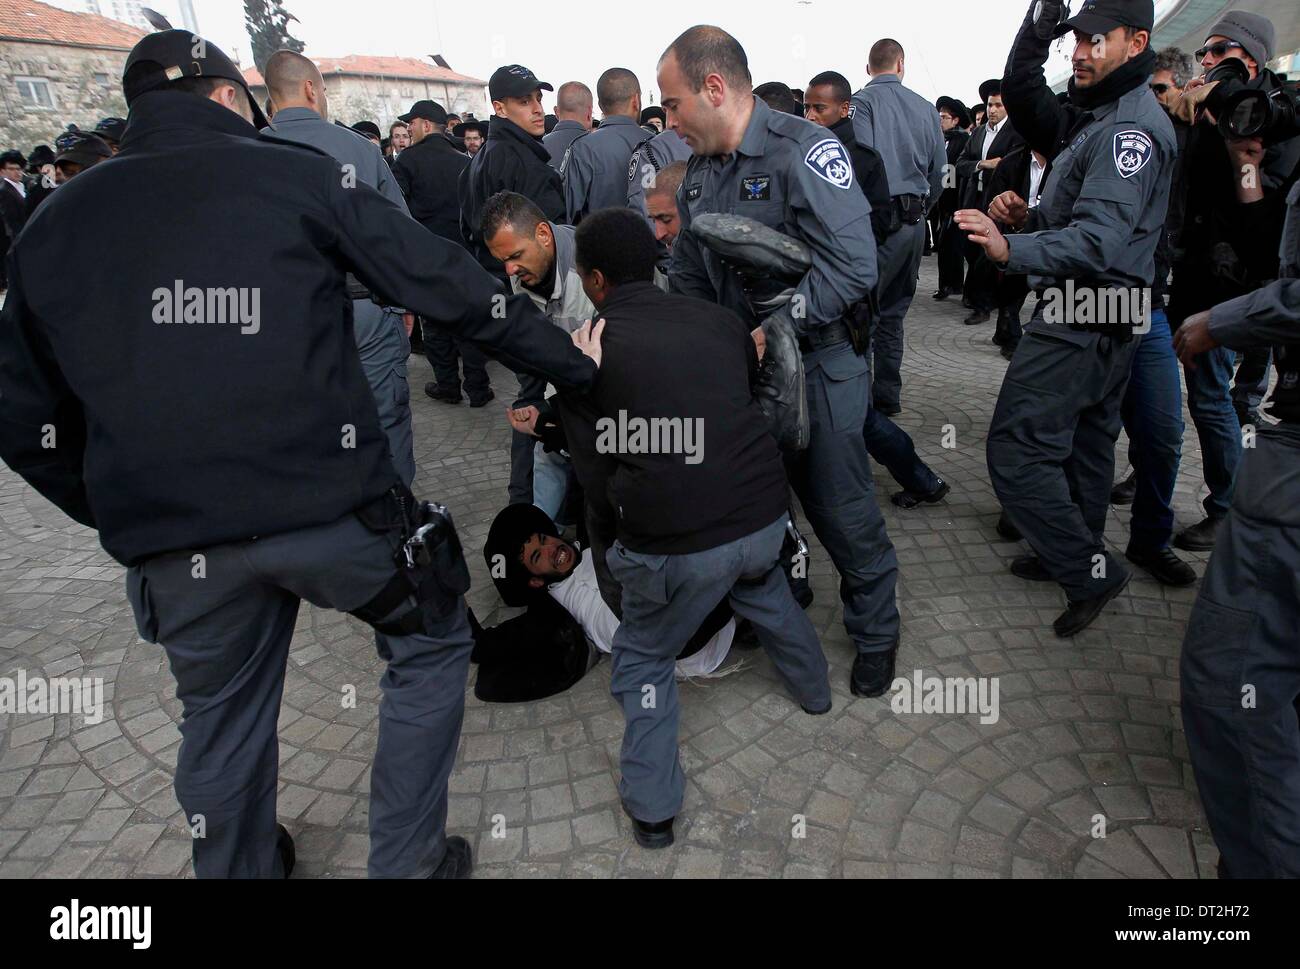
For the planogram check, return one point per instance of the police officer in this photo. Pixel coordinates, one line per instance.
(232, 457)
(1240, 671)
(513, 159)
(78, 151)
(111, 130)
(573, 105)
(595, 167)
(1052, 438)
(302, 116)
(428, 173)
(904, 128)
(795, 177)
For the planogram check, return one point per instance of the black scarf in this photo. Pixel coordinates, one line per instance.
(1129, 75)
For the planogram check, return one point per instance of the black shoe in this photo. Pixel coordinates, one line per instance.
(444, 396)
(1167, 567)
(1007, 530)
(889, 410)
(818, 713)
(1030, 568)
(873, 673)
(998, 339)
(457, 863)
(650, 836)
(1124, 492)
(1199, 537)
(745, 638)
(483, 401)
(976, 318)
(908, 499)
(942, 294)
(1079, 615)
(284, 845)
(1008, 351)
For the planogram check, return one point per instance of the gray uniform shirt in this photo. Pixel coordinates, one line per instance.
(561, 137)
(595, 168)
(650, 159)
(797, 178)
(904, 128)
(381, 337)
(1103, 204)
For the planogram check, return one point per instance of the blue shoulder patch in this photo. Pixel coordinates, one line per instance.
(1132, 151)
(828, 160)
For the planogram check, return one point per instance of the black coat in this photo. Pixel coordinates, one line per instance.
(428, 173)
(13, 209)
(175, 434)
(955, 140)
(511, 160)
(975, 195)
(869, 172)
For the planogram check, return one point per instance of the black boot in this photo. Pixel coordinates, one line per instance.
(651, 835)
(1199, 537)
(873, 673)
(1124, 492)
(1030, 568)
(1007, 530)
(1167, 568)
(977, 317)
(1079, 615)
(457, 863)
(908, 499)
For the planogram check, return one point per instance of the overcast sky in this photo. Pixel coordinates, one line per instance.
(951, 45)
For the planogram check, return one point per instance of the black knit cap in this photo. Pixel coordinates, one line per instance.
(512, 528)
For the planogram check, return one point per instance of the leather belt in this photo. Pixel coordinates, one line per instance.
(825, 336)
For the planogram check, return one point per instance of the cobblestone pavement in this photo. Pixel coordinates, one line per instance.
(1088, 727)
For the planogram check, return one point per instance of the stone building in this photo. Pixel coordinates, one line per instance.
(361, 87)
(58, 67)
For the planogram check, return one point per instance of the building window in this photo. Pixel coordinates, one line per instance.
(101, 79)
(34, 92)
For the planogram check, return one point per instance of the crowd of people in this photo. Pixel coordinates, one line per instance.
(704, 301)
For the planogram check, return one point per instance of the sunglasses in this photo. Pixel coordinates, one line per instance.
(1159, 88)
(1219, 49)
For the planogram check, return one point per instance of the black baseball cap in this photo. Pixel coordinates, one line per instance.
(515, 81)
(81, 147)
(160, 58)
(111, 129)
(428, 110)
(1103, 16)
(367, 128)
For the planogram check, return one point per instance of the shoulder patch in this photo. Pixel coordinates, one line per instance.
(853, 109)
(1132, 150)
(828, 160)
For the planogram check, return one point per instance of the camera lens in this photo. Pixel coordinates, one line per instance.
(1248, 116)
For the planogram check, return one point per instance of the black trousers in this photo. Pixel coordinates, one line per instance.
(447, 355)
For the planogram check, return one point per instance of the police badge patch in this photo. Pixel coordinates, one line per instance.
(756, 188)
(853, 109)
(828, 160)
(1132, 152)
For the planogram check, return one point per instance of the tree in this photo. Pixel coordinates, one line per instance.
(268, 29)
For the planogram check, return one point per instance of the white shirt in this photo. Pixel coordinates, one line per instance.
(22, 189)
(988, 139)
(1035, 180)
(579, 594)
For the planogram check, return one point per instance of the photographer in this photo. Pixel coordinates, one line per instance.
(1232, 195)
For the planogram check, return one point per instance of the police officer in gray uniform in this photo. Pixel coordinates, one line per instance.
(1240, 671)
(595, 166)
(231, 456)
(651, 158)
(903, 128)
(302, 116)
(795, 177)
(1052, 438)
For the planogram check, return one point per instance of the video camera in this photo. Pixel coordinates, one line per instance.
(1246, 109)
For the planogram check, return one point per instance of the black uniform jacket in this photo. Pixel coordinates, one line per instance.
(240, 408)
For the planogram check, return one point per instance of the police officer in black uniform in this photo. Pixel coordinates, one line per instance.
(231, 456)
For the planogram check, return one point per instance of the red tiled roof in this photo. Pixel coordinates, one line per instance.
(32, 21)
(407, 68)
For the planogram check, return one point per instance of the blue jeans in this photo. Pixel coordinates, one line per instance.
(889, 444)
(1209, 398)
(550, 481)
(1153, 416)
